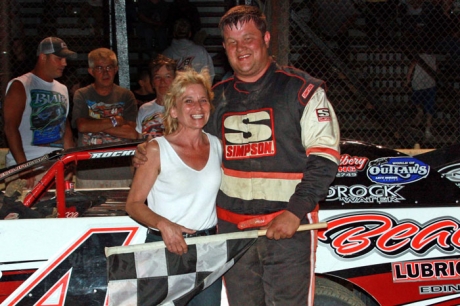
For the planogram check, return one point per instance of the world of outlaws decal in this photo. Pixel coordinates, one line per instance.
(397, 170)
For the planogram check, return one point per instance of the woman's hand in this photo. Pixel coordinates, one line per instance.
(172, 236)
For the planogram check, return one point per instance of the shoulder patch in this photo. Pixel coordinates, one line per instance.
(323, 114)
(306, 93)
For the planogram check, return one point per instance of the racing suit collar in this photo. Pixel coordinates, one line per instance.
(260, 84)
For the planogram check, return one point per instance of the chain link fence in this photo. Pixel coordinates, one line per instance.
(371, 54)
(391, 67)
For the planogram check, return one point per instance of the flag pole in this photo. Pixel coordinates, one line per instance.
(303, 227)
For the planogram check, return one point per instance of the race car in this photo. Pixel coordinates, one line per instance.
(393, 235)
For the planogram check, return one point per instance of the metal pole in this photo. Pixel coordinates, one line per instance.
(121, 34)
(4, 47)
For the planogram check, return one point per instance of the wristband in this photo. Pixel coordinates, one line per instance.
(114, 121)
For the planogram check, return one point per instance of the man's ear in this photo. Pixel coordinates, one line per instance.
(90, 71)
(267, 39)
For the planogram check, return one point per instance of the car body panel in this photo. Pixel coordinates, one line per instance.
(393, 231)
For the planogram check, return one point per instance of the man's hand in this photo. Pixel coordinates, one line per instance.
(120, 120)
(140, 156)
(283, 226)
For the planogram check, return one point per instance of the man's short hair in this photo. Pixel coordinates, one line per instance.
(159, 62)
(102, 53)
(182, 29)
(243, 14)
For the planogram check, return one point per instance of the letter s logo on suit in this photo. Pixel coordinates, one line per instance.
(249, 134)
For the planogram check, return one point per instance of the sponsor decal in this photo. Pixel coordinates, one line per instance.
(435, 270)
(352, 236)
(77, 275)
(350, 165)
(248, 135)
(365, 194)
(452, 173)
(95, 155)
(436, 289)
(323, 114)
(397, 170)
(307, 91)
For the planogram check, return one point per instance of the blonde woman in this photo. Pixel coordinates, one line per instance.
(182, 176)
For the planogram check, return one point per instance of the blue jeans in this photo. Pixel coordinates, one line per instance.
(211, 296)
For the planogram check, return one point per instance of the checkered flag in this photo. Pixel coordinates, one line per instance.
(148, 274)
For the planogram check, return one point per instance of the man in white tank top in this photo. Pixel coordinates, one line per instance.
(36, 107)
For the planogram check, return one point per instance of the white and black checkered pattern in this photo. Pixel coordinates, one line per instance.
(149, 274)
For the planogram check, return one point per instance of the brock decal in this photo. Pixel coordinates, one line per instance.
(365, 194)
(95, 155)
(353, 236)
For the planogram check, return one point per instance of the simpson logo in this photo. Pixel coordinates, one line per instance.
(352, 236)
(249, 135)
(397, 170)
(434, 270)
(95, 155)
(323, 114)
(365, 194)
(307, 91)
(351, 165)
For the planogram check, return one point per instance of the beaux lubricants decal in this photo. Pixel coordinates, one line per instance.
(397, 170)
(249, 135)
(351, 165)
(426, 270)
(112, 154)
(365, 194)
(356, 235)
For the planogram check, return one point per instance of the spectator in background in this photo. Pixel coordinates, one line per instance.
(144, 93)
(421, 77)
(184, 9)
(150, 117)
(153, 15)
(186, 52)
(36, 107)
(104, 113)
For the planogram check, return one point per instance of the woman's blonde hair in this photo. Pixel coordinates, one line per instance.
(177, 88)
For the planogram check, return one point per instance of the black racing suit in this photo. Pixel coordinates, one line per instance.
(281, 151)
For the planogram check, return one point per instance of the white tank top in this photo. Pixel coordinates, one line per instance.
(42, 126)
(184, 195)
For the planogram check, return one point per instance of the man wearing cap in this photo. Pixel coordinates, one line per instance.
(36, 107)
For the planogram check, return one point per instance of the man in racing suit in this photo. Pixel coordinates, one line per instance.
(281, 152)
